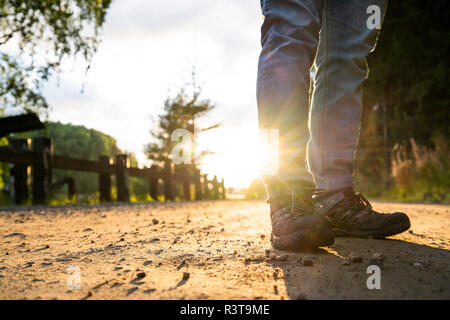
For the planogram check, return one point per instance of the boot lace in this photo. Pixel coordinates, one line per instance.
(298, 201)
(358, 209)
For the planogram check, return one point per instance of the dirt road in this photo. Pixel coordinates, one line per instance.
(207, 250)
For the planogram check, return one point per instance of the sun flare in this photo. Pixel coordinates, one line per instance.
(240, 156)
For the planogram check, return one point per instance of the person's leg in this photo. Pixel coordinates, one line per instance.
(340, 69)
(289, 37)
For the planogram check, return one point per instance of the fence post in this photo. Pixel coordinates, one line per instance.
(123, 193)
(205, 186)
(198, 185)
(72, 190)
(186, 186)
(222, 184)
(168, 187)
(19, 173)
(42, 169)
(153, 181)
(104, 180)
(215, 188)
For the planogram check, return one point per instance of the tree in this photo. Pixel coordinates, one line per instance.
(406, 94)
(409, 71)
(44, 32)
(180, 112)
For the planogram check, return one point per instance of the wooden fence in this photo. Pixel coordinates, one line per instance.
(42, 160)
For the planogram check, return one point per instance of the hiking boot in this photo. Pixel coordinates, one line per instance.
(352, 215)
(295, 226)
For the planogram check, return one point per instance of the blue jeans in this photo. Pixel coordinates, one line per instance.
(317, 47)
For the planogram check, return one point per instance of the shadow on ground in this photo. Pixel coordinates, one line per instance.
(410, 271)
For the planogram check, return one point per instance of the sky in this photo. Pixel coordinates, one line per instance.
(147, 52)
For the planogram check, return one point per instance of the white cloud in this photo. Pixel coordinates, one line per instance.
(147, 49)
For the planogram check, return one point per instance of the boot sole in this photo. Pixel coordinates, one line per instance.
(389, 231)
(300, 241)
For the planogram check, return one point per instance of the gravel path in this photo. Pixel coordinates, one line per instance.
(209, 250)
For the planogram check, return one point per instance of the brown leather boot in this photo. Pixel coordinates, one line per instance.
(352, 215)
(295, 226)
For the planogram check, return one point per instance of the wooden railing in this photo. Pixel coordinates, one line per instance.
(42, 160)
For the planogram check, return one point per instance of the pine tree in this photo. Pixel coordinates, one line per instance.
(180, 112)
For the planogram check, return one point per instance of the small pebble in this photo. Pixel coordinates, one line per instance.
(418, 264)
(378, 256)
(283, 257)
(141, 275)
(307, 261)
(355, 258)
(155, 221)
(176, 240)
(186, 275)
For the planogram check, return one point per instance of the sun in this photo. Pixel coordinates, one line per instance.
(240, 156)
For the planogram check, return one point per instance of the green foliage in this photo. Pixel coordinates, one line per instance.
(256, 191)
(139, 189)
(4, 175)
(408, 80)
(79, 142)
(56, 29)
(409, 70)
(430, 172)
